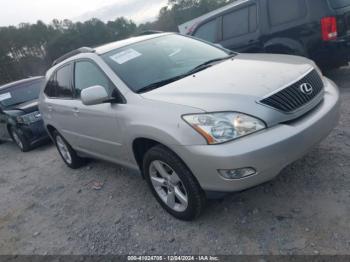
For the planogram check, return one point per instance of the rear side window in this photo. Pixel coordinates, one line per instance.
(87, 75)
(63, 82)
(59, 85)
(336, 4)
(240, 22)
(208, 31)
(278, 11)
(50, 89)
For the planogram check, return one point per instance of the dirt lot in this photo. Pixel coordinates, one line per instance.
(46, 208)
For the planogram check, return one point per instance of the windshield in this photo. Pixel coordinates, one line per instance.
(20, 94)
(159, 59)
(339, 3)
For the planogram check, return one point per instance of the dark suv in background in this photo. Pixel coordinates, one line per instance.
(20, 119)
(317, 29)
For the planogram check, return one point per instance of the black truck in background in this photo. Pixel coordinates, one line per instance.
(317, 29)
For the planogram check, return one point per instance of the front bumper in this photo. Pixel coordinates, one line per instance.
(268, 151)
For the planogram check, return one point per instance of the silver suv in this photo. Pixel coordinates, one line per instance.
(196, 119)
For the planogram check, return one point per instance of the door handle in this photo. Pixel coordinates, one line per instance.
(50, 108)
(76, 111)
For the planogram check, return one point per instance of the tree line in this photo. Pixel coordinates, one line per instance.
(29, 49)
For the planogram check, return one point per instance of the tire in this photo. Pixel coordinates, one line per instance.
(172, 182)
(17, 136)
(68, 154)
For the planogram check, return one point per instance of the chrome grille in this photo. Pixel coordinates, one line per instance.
(292, 98)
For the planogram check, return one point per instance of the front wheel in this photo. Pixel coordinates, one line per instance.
(68, 154)
(19, 139)
(173, 184)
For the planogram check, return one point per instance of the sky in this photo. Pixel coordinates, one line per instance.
(14, 12)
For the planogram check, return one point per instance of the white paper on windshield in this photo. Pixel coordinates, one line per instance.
(125, 56)
(5, 96)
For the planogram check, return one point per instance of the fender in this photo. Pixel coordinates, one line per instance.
(288, 43)
(10, 117)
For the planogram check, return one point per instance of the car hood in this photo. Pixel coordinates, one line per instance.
(26, 107)
(236, 85)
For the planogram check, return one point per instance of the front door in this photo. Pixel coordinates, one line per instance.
(97, 125)
(240, 30)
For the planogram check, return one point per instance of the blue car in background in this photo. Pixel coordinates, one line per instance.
(20, 119)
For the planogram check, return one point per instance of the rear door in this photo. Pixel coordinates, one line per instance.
(59, 104)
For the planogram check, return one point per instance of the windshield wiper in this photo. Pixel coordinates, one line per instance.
(160, 83)
(209, 64)
(192, 71)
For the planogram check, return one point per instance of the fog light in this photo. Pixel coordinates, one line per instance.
(237, 173)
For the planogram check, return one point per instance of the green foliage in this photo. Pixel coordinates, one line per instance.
(29, 49)
(180, 11)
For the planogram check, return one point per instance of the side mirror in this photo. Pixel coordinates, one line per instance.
(94, 95)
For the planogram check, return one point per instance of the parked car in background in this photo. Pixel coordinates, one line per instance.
(317, 29)
(20, 119)
(196, 119)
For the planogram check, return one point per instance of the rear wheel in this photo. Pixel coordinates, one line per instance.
(173, 184)
(17, 136)
(68, 154)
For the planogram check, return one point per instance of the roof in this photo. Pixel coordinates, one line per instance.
(73, 53)
(190, 26)
(19, 82)
(119, 44)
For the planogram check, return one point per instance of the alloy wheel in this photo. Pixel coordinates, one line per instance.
(168, 186)
(62, 147)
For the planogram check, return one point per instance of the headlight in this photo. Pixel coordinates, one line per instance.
(219, 128)
(29, 118)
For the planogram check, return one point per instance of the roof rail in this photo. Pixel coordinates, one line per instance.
(149, 32)
(73, 53)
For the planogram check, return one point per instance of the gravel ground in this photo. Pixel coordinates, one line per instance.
(46, 208)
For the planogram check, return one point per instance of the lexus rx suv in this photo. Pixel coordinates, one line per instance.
(20, 119)
(196, 120)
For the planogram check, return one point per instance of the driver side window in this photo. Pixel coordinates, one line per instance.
(87, 74)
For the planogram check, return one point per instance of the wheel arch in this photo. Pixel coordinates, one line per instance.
(281, 44)
(50, 130)
(141, 145)
(8, 127)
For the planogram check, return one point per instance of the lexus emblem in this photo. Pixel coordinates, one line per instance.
(306, 89)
